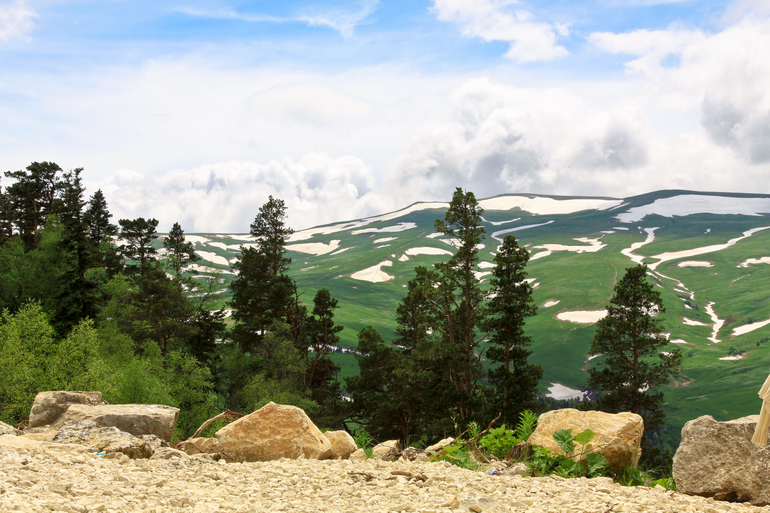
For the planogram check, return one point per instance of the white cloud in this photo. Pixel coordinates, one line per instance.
(342, 20)
(308, 104)
(725, 75)
(317, 189)
(15, 19)
(494, 20)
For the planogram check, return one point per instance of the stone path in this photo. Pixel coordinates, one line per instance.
(43, 477)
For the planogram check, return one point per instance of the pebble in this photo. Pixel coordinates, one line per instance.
(49, 479)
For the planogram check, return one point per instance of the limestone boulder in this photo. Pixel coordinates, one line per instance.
(387, 451)
(200, 445)
(5, 429)
(343, 445)
(440, 445)
(136, 419)
(102, 439)
(719, 460)
(169, 453)
(48, 407)
(358, 455)
(617, 436)
(274, 431)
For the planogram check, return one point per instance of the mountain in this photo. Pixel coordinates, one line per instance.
(709, 254)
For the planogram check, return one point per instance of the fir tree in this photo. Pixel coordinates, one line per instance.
(514, 379)
(138, 235)
(180, 252)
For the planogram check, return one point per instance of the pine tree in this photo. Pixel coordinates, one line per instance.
(98, 219)
(514, 379)
(138, 235)
(180, 252)
(460, 298)
(270, 230)
(323, 341)
(633, 367)
(33, 198)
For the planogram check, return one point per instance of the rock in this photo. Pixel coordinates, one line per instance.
(167, 453)
(616, 436)
(274, 431)
(154, 442)
(103, 439)
(358, 455)
(5, 429)
(412, 453)
(342, 443)
(517, 469)
(387, 451)
(718, 459)
(48, 407)
(440, 445)
(136, 419)
(200, 445)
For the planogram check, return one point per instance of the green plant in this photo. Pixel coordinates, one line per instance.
(457, 455)
(543, 462)
(499, 442)
(585, 462)
(527, 425)
(364, 441)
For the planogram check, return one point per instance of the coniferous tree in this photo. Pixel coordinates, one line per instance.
(97, 217)
(323, 341)
(460, 298)
(180, 252)
(138, 235)
(263, 293)
(633, 367)
(514, 379)
(77, 296)
(33, 198)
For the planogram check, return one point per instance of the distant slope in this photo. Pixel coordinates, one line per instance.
(709, 254)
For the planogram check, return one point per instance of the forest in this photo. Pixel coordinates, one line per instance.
(88, 304)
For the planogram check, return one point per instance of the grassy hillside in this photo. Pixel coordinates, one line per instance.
(577, 279)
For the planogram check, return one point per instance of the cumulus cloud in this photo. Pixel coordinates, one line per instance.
(317, 189)
(497, 20)
(725, 75)
(15, 19)
(507, 139)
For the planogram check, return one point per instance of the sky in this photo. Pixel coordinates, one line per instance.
(195, 111)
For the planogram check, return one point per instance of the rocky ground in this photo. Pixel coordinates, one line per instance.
(43, 476)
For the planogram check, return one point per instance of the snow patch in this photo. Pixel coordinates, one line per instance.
(427, 251)
(374, 274)
(547, 206)
(678, 341)
(212, 257)
(717, 322)
(629, 252)
(400, 227)
(314, 248)
(496, 235)
(753, 261)
(549, 304)
(687, 204)
(582, 316)
(675, 255)
(593, 245)
(736, 357)
(691, 322)
(385, 239)
(562, 393)
(695, 263)
(748, 328)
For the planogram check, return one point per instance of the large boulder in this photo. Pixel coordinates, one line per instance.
(274, 431)
(102, 439)
(616, 435)
(136, 419)
(388, 451)
(5, 429)
(200, 445)
(719, 460)
(343, 445)
(48, 407)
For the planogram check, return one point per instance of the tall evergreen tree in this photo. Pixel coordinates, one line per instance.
(323, 341)
(138, 235)
(263, 293)
(633, 367)
(97, 217)
(514, 379)
(461, 299)
(180, 252)
(77, 296)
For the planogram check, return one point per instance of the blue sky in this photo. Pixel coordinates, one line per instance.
(195, 111)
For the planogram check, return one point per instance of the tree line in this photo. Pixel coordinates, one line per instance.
(88, 304)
